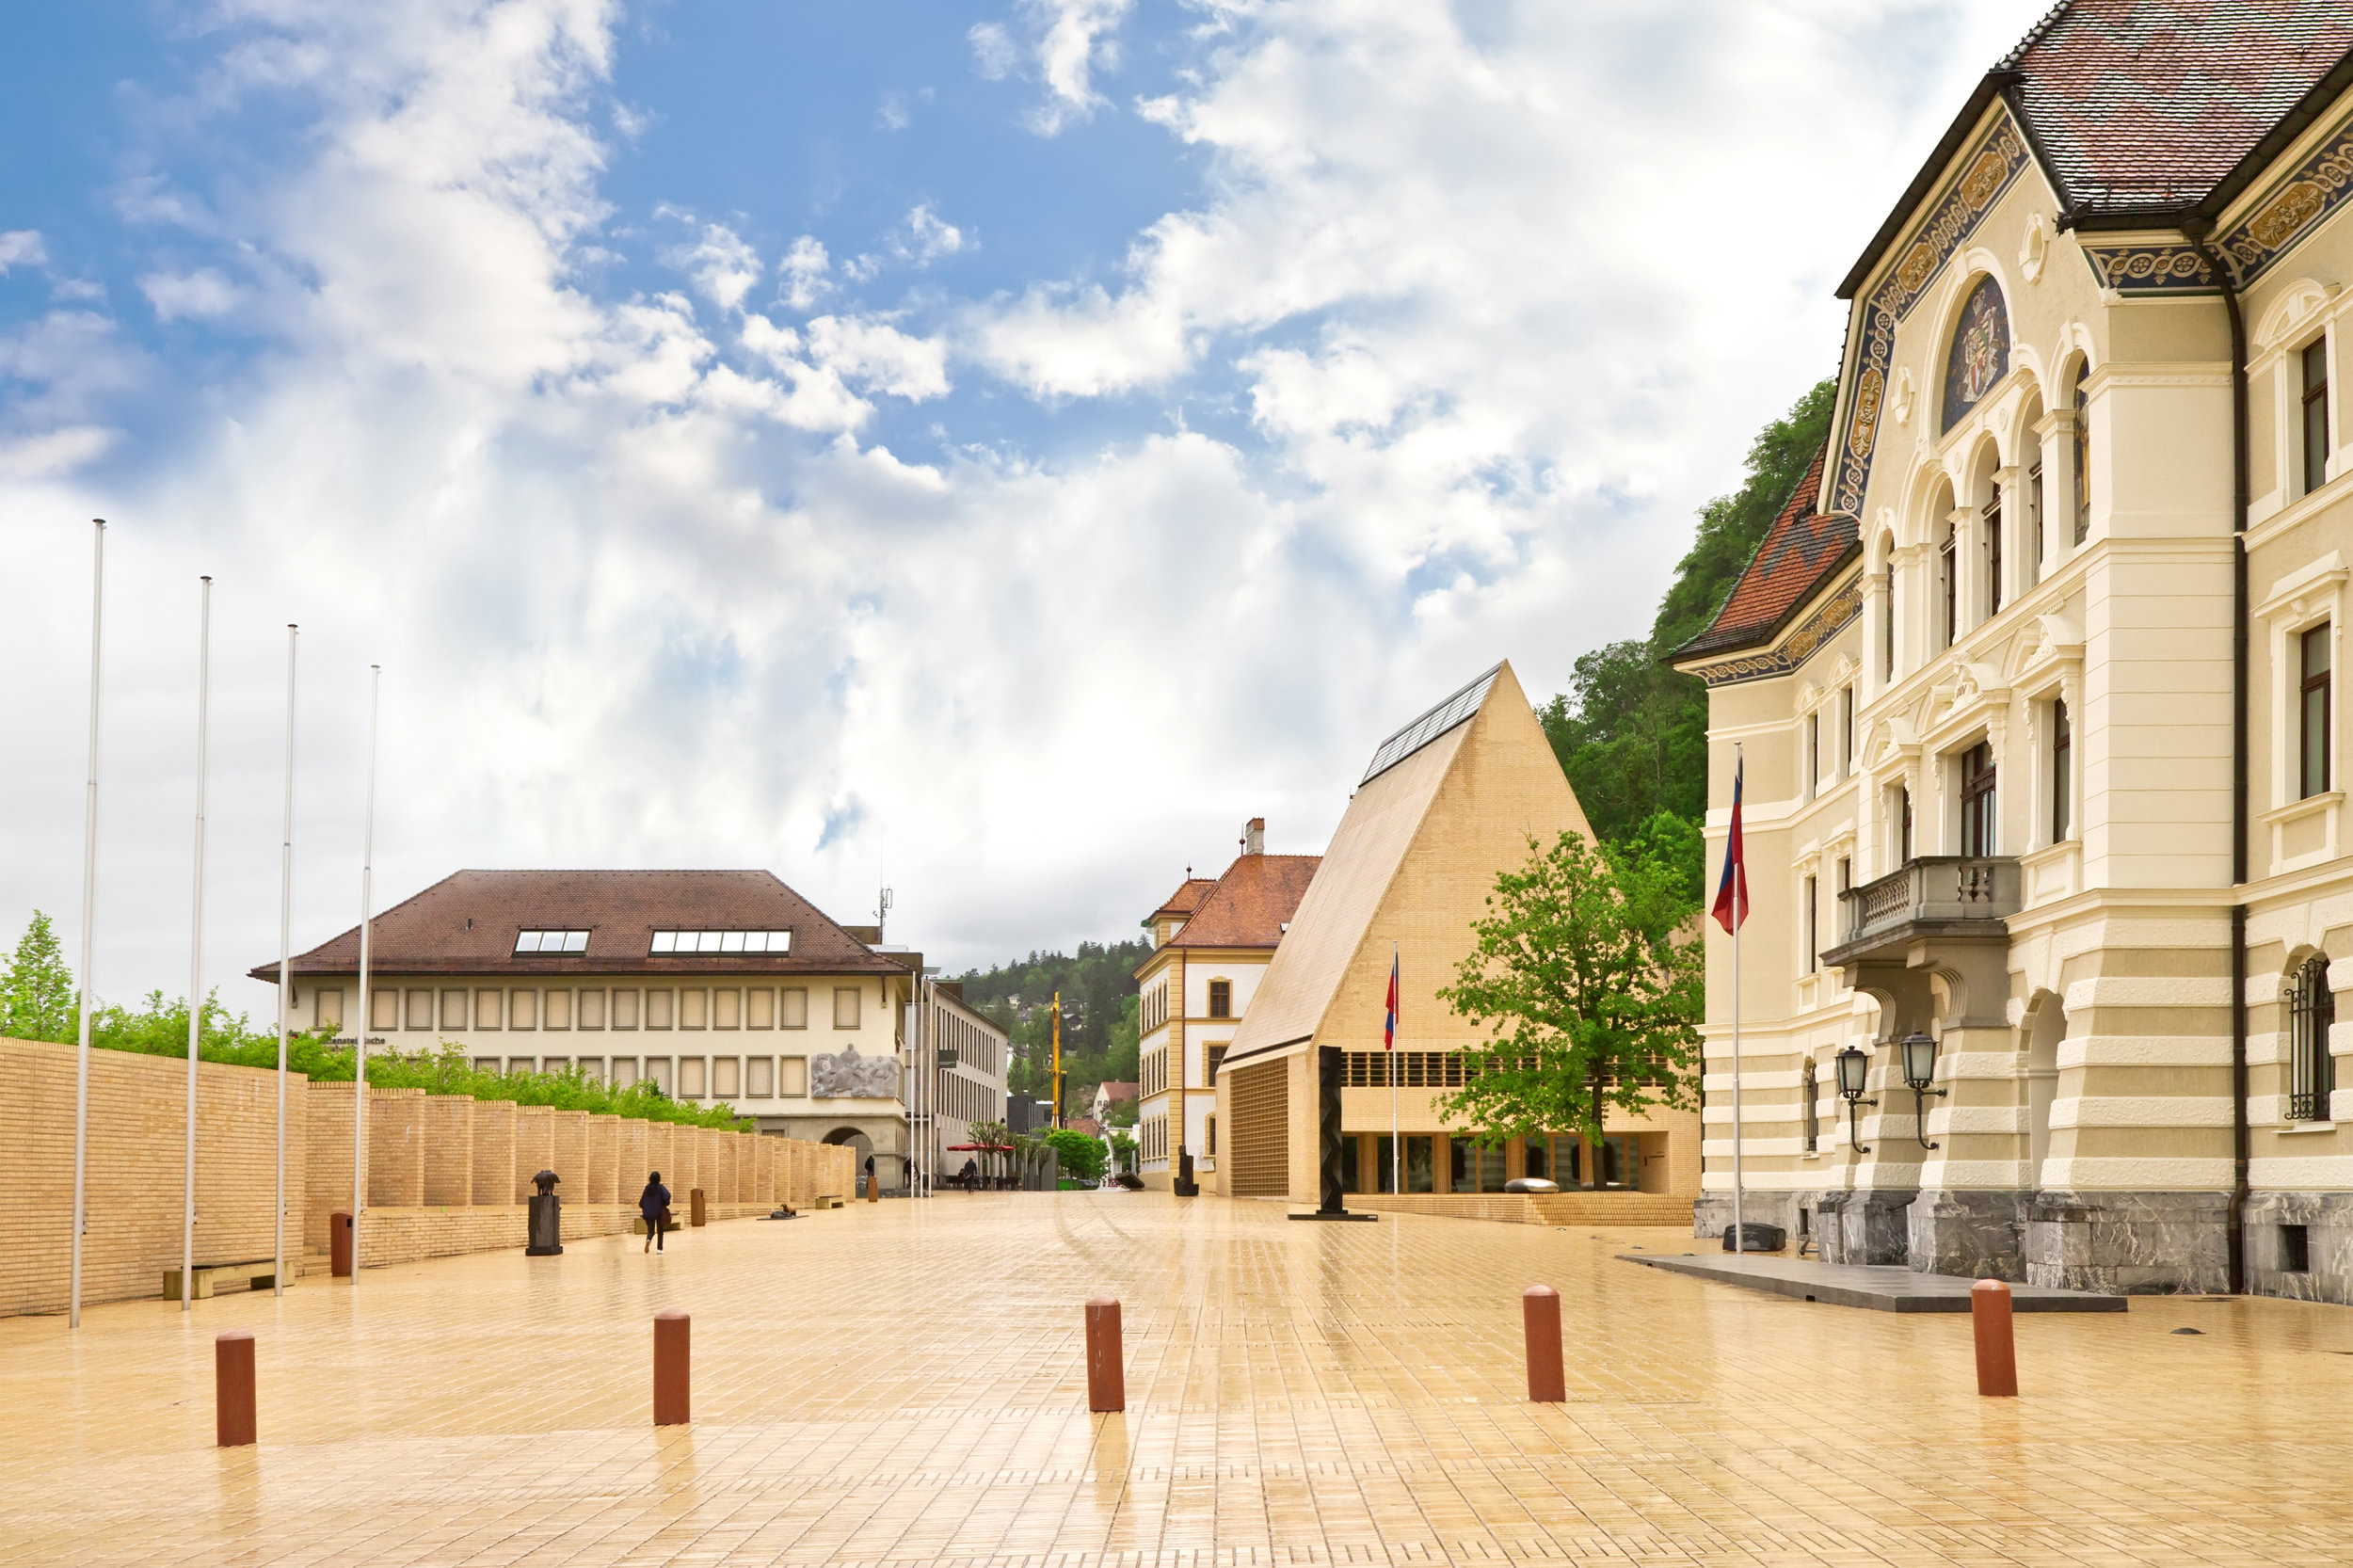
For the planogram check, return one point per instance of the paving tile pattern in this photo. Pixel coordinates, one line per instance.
(902, 1384)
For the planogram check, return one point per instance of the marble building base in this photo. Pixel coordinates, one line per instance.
(1972, 1234)
(2328, 1222)
(1865, 1227)
(1711, 1215)
(2129, 1243)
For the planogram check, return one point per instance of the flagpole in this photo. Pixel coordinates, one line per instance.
(360, 1035)
(1397, 1141)
(1739, 887)
(89, 911)
(286, 965)
(196, 941)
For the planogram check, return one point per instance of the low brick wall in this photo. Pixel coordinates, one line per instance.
(419, 1149)
(1535, 1208)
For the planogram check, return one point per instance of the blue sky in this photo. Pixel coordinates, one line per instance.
(998, 448)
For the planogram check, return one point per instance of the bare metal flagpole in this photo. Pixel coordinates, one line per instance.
(196, 938)
(83, 1000)
(1397, 1141)
(285, 963)
(360, 1035)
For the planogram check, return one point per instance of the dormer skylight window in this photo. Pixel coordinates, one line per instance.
(551, 941)
(680, 943)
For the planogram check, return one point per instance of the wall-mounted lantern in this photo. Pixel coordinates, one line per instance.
(1918, 1051)
(1854, 1074)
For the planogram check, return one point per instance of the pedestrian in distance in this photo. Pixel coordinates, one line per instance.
(870, 1174)
(654, 1205)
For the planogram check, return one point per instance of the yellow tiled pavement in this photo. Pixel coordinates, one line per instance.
(904, 1384)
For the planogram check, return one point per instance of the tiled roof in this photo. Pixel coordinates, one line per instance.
(1186, 899)
(2138, 103)
(1250, 904)
(1800, 550)
(466, 925)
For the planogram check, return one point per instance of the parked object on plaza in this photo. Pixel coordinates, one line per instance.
(255, 1273)
(1539, 1318)
(653, 1211)
(234, 1420)
(673, 1368)
(1106, 1377)
(1754, 1236)
(1997, 1341)
(695, 1208)
(1530, 1184)
(339, 1245)
(547, 1217)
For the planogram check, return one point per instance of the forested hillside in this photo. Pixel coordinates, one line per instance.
(1098, 1000)
(1631, 733)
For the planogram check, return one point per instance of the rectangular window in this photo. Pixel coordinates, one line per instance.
(1887, 625)
(693, 1008)
(727, 1008)
(328, 1008)
(726, 1079)
(1977, 835)
(1812, 750)
(845, 1006)
(454, 1009)
(1903, 825)
(592, 1009)
(420, 1009)
(1993, 559)
(522, 1010)
(2062, 774)
(2034, 522)
(2312, 773)
(527, 942)
(624, 1071)
(1221, 999)
(1420, 1164)
(658, 1069)
(796, 1008)
(1534, 1158)
(1217, 1059)
(759, 1008)
(487, 1007)
(553, 1063)
(1846, 730)
(1950, 564)
(1809, 1105)
(559, 1009)
(2315, 415)
(660, 1006)
(1846, 882)
(668, 944)
(522, 1063)
(486, 1063)
(624, 1010)
(2081, 444)
(690, 1077)
(2312, 1019)
(1813, 925)
(1386, 1159)
(793, 1077)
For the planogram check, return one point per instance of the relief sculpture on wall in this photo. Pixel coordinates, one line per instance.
(846, 1075)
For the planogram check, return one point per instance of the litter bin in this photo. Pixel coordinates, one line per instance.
(547, 1218)
(694, 1206)
(339, 1246)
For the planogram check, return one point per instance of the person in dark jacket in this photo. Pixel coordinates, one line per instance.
(654, 1204)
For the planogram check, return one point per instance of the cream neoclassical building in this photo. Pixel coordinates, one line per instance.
(2034, 679)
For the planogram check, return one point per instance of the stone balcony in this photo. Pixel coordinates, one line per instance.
(1945, 915)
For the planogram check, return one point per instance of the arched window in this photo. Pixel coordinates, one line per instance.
(2081, 441)
(2311, 1071)
(1887, 611)
(1949, 564)
(1809, 1106)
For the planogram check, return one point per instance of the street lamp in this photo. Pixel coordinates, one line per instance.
(1854, 1071)
(1918, 1051)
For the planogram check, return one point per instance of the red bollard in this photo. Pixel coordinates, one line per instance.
(1997, 1351)
(339, 1245)
(232, 1388)
(1540, 1308)
(1107, 1383)
(673, 1368)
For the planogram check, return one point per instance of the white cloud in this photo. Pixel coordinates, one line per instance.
(803, 273)
(723, 266)
(924, 238)
(1065, 42)
(994, 52)
(22, 247)
(881, 356)
(202, 294)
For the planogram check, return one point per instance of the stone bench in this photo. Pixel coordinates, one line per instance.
(260, 1273)
(826, 1200)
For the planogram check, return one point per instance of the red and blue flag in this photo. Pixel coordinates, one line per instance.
(1732, 893)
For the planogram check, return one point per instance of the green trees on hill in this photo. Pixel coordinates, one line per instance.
(1631, 733)
(1098, 1030)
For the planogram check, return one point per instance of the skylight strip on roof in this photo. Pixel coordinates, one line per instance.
(1429, 726)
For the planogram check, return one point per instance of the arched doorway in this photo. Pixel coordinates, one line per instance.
(2046, 1026)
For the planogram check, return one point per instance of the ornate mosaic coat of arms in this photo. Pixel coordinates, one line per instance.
(1979, 355)
(846, 1075)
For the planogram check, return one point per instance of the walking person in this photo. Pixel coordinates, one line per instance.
(654, 1204)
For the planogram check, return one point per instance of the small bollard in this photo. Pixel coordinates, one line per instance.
(695, 1207)
(339, 1245)
(1107, 1383)
(232, 1388)
(1540, 1308)
(673, 1368)
(1997, 1351)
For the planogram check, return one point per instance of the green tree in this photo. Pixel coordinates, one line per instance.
(37, 989)
(1124, 1150)
(1081, 1156)
(1630, 732)
(1585, 971)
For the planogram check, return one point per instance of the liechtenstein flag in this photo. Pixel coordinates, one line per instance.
(1388, 1030)
(1732, 893)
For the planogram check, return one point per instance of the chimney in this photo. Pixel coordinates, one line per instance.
(1254, 837)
